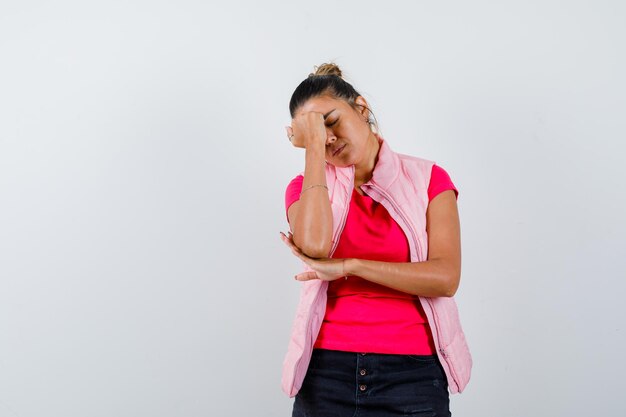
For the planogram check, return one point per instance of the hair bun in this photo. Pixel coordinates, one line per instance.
(326, 69)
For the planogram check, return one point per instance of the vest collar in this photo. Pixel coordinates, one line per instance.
(385, 171)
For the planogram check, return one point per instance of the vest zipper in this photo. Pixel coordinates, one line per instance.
(441, 349)
(419, 248)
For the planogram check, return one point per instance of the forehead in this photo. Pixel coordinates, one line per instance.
(323, 105)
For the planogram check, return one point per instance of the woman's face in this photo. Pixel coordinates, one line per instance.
(347, 130)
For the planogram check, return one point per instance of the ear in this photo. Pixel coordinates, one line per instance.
(364, 108)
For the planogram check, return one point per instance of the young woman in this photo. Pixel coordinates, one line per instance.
(377, 331)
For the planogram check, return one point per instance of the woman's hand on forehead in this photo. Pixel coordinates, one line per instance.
(307, 129)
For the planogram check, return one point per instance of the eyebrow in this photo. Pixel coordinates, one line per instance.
(326, 115)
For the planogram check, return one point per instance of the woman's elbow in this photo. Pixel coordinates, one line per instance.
(452, 284)
(314, 249)
(316, 252)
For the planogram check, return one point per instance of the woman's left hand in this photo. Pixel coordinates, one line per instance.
(326, 269)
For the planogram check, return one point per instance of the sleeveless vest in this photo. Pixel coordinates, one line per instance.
(400, 183)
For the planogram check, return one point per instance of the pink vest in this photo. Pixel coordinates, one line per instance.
(400, 183)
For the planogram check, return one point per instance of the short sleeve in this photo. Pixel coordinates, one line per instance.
(440, 181)
(292, 194)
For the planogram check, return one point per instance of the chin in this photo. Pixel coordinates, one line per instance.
(339, 164)
(342, 162)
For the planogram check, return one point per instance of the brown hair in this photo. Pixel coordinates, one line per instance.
(327, 80)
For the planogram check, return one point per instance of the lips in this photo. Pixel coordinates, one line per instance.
(339, 149)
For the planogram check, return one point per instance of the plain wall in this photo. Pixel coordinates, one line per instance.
(143, 164)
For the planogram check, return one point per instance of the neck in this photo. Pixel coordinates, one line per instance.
(363, 170)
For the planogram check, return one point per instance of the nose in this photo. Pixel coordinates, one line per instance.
(330, 136)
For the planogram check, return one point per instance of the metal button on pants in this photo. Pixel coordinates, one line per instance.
(363, 362)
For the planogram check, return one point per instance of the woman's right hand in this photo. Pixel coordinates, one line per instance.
(307, 129)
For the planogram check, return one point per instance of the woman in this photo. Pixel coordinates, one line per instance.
(377, 330)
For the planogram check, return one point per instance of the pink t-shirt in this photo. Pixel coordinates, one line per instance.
(362, 316)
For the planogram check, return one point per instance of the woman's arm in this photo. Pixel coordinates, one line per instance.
(438, 276)
(311, 218)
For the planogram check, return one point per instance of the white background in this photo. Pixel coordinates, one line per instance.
(143, 163)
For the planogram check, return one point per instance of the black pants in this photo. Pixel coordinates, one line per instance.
(348, 384)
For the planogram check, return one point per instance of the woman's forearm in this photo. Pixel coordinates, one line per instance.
(314, 221)
(432, 278)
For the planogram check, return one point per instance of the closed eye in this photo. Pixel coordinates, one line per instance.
(331, 124)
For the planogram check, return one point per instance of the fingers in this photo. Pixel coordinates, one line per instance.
(294, 249)
(284, 237)
(310, 129)
(298, 253)
(306, 276)
(288, 240)
(303, 114)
